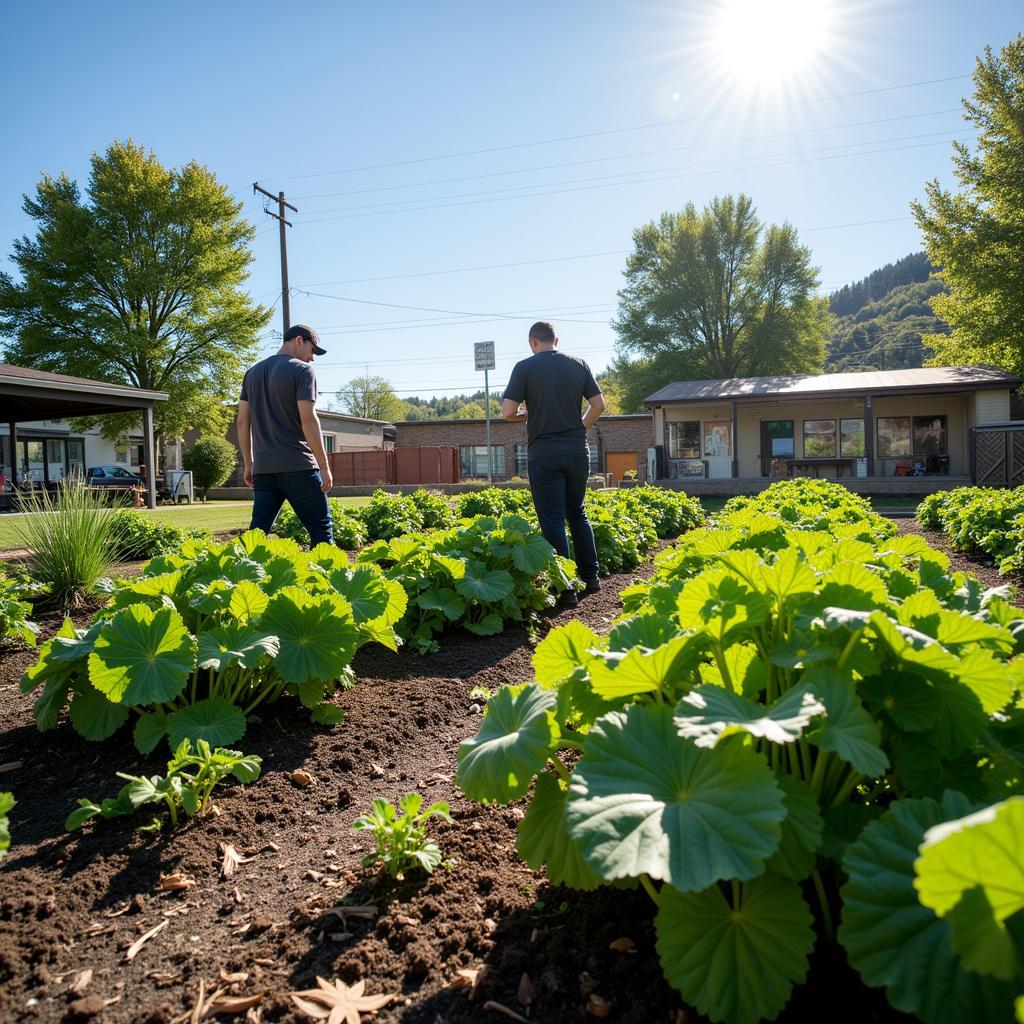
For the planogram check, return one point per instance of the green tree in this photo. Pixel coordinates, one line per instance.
(715, 294)
(138, 283)
(372, 398)
(211, 460)
(976, 236)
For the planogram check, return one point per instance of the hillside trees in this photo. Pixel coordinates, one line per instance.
(138, 282)
(976, 235)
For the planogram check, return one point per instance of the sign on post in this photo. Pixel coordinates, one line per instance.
(483, 353)
(483, 356)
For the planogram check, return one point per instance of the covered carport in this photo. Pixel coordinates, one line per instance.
(27, 396)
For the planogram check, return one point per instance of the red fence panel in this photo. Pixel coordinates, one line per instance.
(428, 464)
(376, 466)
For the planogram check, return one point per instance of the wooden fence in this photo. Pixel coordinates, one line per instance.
(997, 454)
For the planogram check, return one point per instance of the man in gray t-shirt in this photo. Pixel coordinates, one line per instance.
(553, 387)
(279, 434)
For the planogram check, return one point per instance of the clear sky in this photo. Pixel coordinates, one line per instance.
(493, 159)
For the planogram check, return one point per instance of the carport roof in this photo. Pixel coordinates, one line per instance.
(27, 395)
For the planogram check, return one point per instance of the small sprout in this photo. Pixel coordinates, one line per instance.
(401, 837)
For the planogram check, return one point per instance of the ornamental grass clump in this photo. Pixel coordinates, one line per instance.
(762, 743)
(72, 538)
(191, 647)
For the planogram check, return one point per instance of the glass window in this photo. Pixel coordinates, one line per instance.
(595, 458)
(76, 455)
(55, 460)
(328, 443)
(893, 436)
(473, 460)
(717, 438)
(32, 466)
(779, 435)
(851, 438)
(121, 451)
(519, 454)
(819, 439)
(137, 451)
(929, 435)
(5, 457)
(683, 440)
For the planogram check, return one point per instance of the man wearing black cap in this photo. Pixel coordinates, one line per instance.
(279, 434)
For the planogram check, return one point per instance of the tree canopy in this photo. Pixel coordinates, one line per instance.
(372, 398)
(715, 294)
(138, 283)
(976, 235)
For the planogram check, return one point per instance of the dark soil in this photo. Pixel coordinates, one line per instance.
(76, 902)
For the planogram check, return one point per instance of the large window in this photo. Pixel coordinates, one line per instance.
(683, 440)
(473, 460)
(778, 435)
(819, 439)
(930, 435)
(519, 454)
(851, 438)
(893, 437)
(76, 456)
(328, 444)
(717, 438)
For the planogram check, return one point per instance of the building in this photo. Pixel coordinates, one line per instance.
(618, 444)
(891, 423)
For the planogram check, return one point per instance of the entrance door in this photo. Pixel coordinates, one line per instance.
(618, 463)
(776, 443)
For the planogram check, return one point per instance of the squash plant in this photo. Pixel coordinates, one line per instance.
(769, 698)
(191, 647)
(15, 610)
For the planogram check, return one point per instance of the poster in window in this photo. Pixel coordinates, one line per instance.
(717, 438)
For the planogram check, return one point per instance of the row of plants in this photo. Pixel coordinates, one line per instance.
(789, 740)
(985, 520)
(17, 591)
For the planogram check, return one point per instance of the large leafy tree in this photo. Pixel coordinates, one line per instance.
(373, 398)
(139, 282)
(976, 235)
(714, 294)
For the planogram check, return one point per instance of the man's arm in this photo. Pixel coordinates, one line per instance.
(510, 410)
(315, 440)
(595, 406)
(243, 425)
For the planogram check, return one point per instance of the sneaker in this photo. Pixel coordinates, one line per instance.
(592, 586)
(567, 599)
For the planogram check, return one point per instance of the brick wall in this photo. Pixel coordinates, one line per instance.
(609, 434)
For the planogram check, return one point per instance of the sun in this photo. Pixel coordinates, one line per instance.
(767, 42)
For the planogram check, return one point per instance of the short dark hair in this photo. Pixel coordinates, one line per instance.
(542, 331)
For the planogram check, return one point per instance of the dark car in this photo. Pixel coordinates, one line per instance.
(112, 476)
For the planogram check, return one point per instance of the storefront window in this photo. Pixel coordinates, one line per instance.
(779, 435)
(473, 460)
(519, 454)
(717, 438)
(819, 439)
(851, 438)
(893, 437)
(930, 435)
(32, 466)
(683, 440)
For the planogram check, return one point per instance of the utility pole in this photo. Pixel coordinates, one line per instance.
(279, 217)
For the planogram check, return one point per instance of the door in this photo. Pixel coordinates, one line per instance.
(718, 448)
(776, 443)
(619, 463)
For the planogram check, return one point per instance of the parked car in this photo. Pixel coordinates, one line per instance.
(112, 476)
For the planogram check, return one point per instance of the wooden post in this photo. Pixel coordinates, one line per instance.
(735, 445)
(869, 435)
(150, 452)
(14, 453)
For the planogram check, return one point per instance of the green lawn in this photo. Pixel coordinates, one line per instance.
(215, 516)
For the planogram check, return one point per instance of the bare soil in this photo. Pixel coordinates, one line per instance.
(76, 902)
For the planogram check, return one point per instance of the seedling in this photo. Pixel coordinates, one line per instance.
(402, 837)
(480, 693)
(190, 779)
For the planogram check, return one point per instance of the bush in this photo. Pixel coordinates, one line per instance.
(349, 532)
(141, 537)
(390, 515)
(211, 460)
(434, 508)
(15, 607)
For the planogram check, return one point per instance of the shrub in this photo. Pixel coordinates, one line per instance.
(140, 537)
(349, 531)
(435, 509)
(72, 539)
(390, 515)
(15, 608)
(212, 460)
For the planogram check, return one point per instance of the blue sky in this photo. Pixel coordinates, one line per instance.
(429, 147)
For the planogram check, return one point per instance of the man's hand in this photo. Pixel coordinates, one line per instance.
(247, 475)
(328, 483)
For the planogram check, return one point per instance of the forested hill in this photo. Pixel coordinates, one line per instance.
(881, 318)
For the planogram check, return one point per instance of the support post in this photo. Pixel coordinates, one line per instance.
(14, 453)
(735, 446)
(487, 414)
(869, 436)
(150, 453)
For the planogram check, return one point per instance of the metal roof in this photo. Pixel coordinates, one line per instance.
(41, 379)
(926, 378)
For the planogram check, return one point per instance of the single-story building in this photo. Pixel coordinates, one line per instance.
(889, 423)
(618, 444)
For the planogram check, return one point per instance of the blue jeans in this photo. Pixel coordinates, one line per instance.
(559, 487)
(301, 489)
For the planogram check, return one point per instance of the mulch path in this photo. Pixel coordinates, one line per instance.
(72, 902)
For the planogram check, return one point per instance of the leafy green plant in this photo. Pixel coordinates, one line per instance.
(195, 643)
(390, 515)
(7, 804)
(192, 774)
(211, 460)
(494, 501)
(72, 539)
(435, 510)
(15, 610)
(349, 531)
(400, 834)
(986, 520)
(140, 537)
(740, 735)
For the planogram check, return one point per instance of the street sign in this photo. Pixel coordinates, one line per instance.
(483, 354)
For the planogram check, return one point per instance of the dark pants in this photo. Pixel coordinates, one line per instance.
(559, 487)
(301, 490)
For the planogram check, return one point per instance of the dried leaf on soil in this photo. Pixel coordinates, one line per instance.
(233, 1004)
(81, 982)
(338, 1003)
(175, 882)
(367, 911)
(623, 945)
(527, 993)
(232, 859)
(301, 778)
(597, 1006)
(502, 1009)
(133, 949)
(233, 979)
(376, 771)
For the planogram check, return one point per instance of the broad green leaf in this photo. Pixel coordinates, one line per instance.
(802, 830)
(212, 597)
(789, 575)
(532, 554)
(648, 630)
(642, 800)
(916, 650)
(644, 671)
(317, 634)
(443, 600)
(843, 826)
(372, 596)
(516, 739)
(955, 628)
(562, 651)
(311, 693)
(215, 720)
(485, 585)
(544, 841)
(988, 678)
(745, 667)
(972, 871)
(908, 700)
(236, 642)
(893, 940)
(737, 964)
(709, 713)
(327, 714)
(94, 716)
(49, 704)
(848, 730)
(150, 729)
(853, 585)
(142, 656)
(721, 605)
(925, 772)
(248, 601)
(489, 625)
(962, 719)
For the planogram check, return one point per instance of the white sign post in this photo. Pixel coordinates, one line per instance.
(483, 358)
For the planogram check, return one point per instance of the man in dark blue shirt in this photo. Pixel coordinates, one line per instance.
(553, 386)
(279, 434)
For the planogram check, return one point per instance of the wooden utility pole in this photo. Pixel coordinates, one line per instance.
(279, 217)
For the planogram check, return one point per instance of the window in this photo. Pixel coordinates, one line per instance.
(32, 465)
(519, 455)
(473, 460)
(137, 451)
(55, 460)
(930, 435)
(893, 437)
(683, 440)
(595, 458)
(779, 438)
(819, 439)
(76, 456)
(121, 451)
(717, 438)
(851, 438)
(328, 443)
